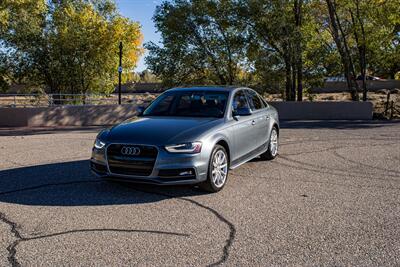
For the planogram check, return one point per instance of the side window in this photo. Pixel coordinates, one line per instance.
(183, 103)
(265, 102)
(255, 101)
(239, 101)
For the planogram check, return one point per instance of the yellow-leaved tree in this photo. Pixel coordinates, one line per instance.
(69, 46)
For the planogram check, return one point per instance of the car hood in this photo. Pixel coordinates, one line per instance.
(159, 130)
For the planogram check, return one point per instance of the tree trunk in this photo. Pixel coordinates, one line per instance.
(294, 78)
(362, 49)
(300, 80)
(288, 78)
(344, 52)
(298, 4)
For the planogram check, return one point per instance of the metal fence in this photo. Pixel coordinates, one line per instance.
(46, 100)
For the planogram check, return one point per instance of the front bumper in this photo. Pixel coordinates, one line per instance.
(169, 168)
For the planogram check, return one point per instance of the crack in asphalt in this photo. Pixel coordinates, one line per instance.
(363, 164)
(49, 185)
(232, 228)
(319, 182)
(336, 171)
(312, 140)
(262, 179)
(335, 148)
(107, 230)
(12, 247)
(313, 151)
(341, 174)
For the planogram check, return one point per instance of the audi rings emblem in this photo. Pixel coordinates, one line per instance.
(130, 151)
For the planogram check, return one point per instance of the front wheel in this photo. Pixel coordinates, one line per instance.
(273, 143)
(217, 170)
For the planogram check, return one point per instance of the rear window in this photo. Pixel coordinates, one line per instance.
(255, 101)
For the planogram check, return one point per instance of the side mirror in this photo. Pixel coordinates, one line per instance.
(140, 110)
(242, 112)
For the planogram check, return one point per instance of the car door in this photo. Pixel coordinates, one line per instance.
(260, 117)
(270, 114)
(244, 131)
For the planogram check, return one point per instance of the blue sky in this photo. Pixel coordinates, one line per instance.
(141, 11)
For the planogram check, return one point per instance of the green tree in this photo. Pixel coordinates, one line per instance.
(382, 27)
(366, 34)
(68, 46)
(148, 77)
(276, 44)
(201, 43)
(276, 37)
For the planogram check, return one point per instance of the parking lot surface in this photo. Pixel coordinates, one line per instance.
(332, 198)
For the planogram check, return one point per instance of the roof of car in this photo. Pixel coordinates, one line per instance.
(206, 88)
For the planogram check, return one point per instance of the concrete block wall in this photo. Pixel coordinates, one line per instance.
(338, 87)
(66, 115)
(111, 114)
(324, 110)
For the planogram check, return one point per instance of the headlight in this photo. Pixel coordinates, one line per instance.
(191, 148)
(99, 144)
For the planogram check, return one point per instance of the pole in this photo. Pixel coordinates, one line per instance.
(387, 103)
(119, 73)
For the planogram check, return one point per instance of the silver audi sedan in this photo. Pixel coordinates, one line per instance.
(189, 136)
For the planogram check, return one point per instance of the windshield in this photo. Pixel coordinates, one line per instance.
(189, 104)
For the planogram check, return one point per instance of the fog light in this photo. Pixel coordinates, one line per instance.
(180, 173)
(186, 173)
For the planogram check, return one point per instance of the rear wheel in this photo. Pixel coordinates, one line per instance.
(273, 144)
(217, 170)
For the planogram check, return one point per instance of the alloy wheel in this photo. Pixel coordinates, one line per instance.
(219, 168)
(274, 142)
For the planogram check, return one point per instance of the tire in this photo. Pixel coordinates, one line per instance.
(217, 166)
(273, 145)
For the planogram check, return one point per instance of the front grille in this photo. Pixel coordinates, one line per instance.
(138, 165)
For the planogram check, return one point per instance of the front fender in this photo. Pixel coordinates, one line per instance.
(212, 140)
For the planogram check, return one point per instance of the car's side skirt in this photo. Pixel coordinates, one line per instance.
(249, 156)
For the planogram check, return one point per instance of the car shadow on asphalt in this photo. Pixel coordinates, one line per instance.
(72, 184)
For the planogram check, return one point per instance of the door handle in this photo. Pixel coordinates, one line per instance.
(267, 117)
(253, 122)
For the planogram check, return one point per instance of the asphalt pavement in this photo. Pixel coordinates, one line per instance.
(331, 198)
